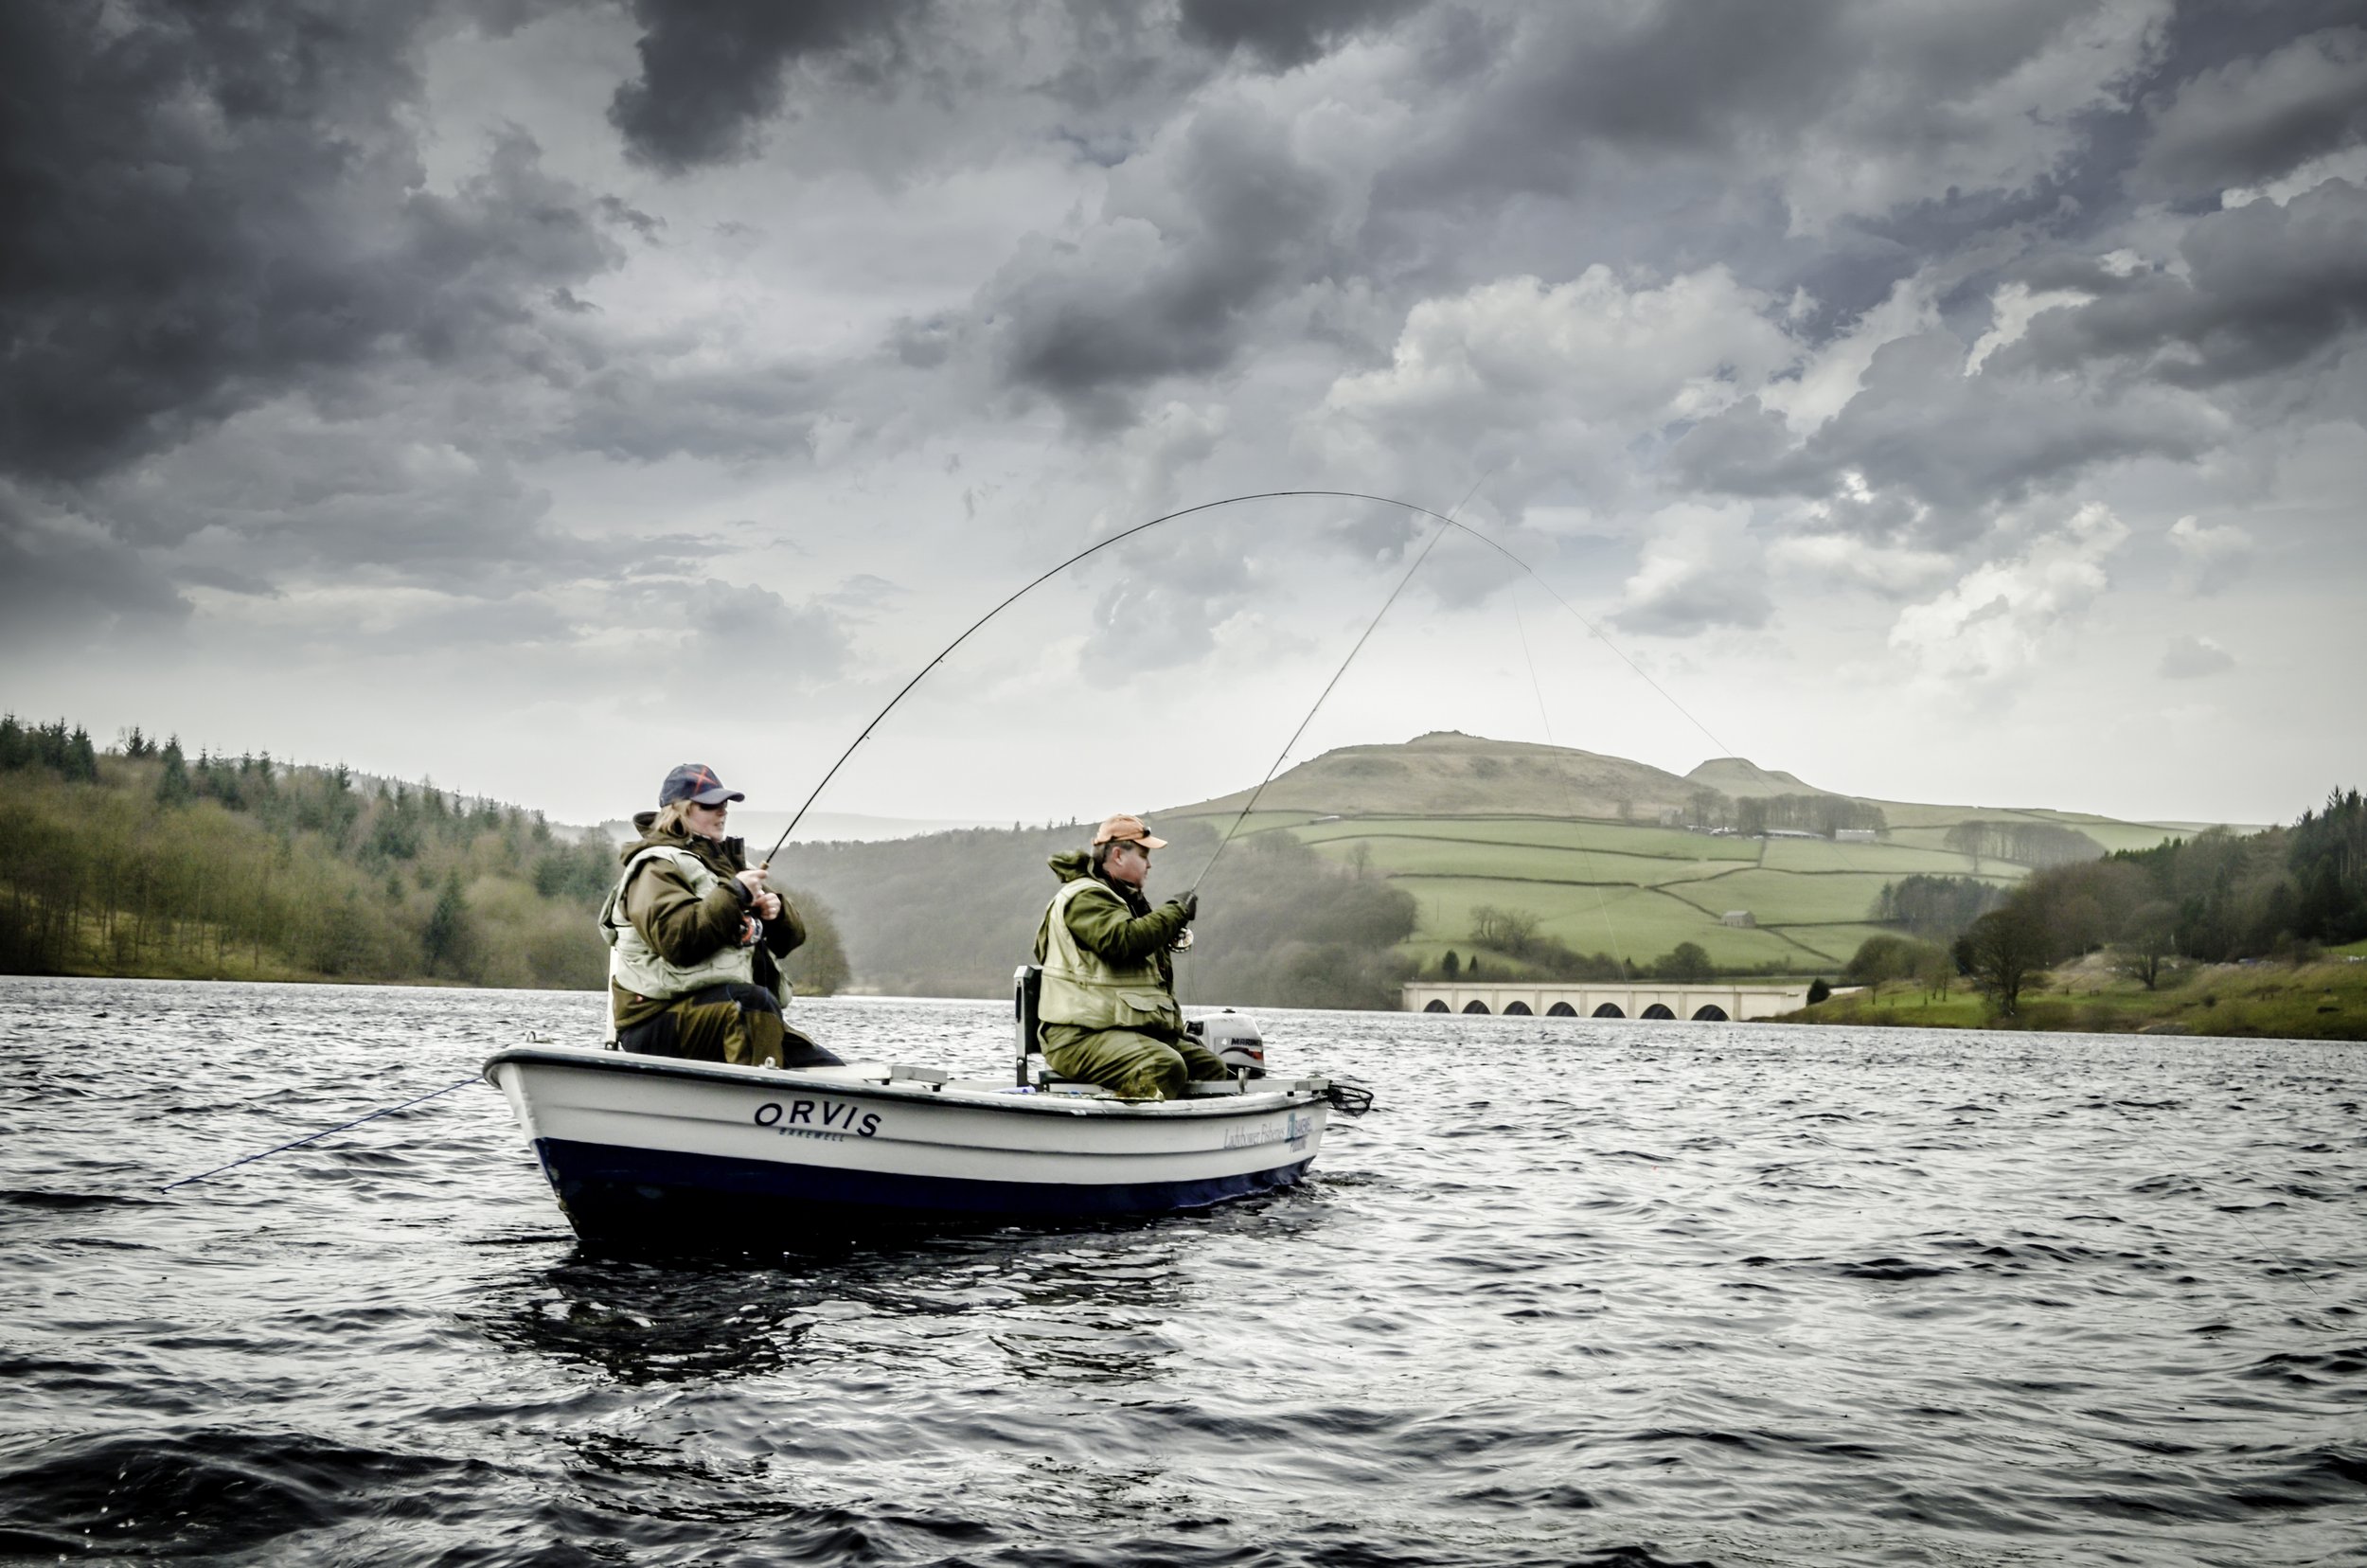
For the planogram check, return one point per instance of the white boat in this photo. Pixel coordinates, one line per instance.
(639, 1147)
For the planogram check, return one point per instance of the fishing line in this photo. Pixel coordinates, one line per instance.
(1283, 754)
(1444, 520)
(1594, 872)
(322, 1134)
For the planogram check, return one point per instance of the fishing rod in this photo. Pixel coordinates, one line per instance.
(322, 1134)
(1445, 521)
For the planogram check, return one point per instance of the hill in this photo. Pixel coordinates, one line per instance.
(138, 860)
(1358, 868)
(1742, 778)
(1450, 774)
(1584, 858)
(1611, 857)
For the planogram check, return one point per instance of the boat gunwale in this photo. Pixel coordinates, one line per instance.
(598, 1060)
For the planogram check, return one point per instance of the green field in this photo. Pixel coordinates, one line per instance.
(1632, 890)
(1460, 822)
(1631, 922)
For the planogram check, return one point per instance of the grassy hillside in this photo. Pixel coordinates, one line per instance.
(1448, 773)
(1585, 858)
(1591, 848)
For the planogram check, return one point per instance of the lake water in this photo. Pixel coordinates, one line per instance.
(1617, 1294)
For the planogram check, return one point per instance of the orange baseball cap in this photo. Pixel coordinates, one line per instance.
(1126, 830)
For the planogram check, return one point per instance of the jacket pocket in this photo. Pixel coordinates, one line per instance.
(1137, 1008)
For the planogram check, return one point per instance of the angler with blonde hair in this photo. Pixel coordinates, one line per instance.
(696, 939)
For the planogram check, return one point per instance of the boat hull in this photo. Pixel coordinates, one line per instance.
(650, 1148)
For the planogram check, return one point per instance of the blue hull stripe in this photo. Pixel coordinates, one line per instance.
(607, 1190)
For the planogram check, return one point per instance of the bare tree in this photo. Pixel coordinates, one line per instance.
(2003, 952)
(2147, 941)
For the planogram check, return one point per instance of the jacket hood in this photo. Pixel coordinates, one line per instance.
(706, 849)
(1069, 865)
(642, 823)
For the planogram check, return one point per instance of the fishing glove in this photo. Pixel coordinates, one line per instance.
(1189, 904)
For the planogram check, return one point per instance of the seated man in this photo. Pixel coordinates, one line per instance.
(1108, 1006)
(695, 939)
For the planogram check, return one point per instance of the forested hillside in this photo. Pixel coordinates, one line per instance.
(139, 860)
(953, 914)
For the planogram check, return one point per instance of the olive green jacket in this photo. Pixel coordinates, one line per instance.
(685, 929)
(1115, 923)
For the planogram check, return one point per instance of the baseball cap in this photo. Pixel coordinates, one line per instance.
(1129, 830)
(695, 782)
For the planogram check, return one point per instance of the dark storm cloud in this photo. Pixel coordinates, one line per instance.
(712, 71)
(2267, 288)
(1959, 445)
(1091, 321)
(1712, 76)
(1284, 36)
(62, 585)
(208, 206)
(2252, 119)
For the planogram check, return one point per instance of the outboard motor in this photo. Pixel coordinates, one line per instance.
(1235, 1040)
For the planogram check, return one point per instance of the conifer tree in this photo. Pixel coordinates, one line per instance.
(172, 786)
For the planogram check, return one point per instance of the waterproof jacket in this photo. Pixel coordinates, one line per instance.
(685, 928)
(1107, 965)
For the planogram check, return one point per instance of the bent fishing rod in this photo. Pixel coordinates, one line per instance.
(1445, 521)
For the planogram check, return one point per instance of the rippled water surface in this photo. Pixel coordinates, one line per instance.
(1577, 1293)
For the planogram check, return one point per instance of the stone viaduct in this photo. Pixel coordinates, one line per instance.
(1705, 1003)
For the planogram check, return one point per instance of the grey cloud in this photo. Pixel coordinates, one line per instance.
(1701, 599)
(268, 508)
(1747, 450)
(513, 622)
(1970, 442)
(1961, 445)
(2189, 657)
(208, 206)
(1717, 76)
(1169, 594)
(863, 592)
(2251, 120)
(1284, 36)
(227, 581)
(1093, 321)
(2268, 287)
(713, 71)
(66, 587)
(747, 627)
(641, 410)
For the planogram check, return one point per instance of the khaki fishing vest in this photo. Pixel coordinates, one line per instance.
(640, 969)
(1083, 988)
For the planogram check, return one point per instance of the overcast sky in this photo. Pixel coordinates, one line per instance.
(1940, 402)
